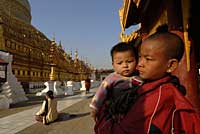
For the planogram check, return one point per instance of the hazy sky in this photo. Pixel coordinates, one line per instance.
(90, 26)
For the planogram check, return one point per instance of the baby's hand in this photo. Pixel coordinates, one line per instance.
(93, 114)
(37, 113)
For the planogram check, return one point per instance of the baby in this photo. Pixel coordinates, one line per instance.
(124, 61)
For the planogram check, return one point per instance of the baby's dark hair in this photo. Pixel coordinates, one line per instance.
(122, 47)
(174, 45)
(50, 94)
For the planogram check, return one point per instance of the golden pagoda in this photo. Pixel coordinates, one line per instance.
(35, 57)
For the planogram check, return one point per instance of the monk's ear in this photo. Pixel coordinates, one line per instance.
(172, 65)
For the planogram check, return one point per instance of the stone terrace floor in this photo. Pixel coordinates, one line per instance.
(74, 116)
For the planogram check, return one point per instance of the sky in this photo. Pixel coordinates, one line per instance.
(90, 26)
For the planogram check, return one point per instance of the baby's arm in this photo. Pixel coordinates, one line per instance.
(94, 108)
(98, 99)
(93, 114)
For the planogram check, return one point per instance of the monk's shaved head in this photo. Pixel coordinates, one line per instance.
(172, 45)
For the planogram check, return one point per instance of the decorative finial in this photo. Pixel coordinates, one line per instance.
(70, 54)
(54, 38)
(60, 45)
(76, 54)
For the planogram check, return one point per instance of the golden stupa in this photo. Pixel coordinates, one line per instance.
(35, 57)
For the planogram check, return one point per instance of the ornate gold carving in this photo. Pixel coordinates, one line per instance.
(186, 10)
(130, 37)
(187, 49)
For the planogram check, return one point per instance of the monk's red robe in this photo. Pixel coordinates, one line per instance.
(159, 103)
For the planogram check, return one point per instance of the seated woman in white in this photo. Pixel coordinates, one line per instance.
(48, 112)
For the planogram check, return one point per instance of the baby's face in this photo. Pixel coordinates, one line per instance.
(153, 63)
(124, 63)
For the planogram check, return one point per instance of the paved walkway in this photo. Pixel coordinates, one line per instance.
(16, 122)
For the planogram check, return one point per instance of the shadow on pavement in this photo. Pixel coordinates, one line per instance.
(67, 116)
(34, 100)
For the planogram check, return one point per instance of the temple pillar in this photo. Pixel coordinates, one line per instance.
(177, 17)
(189, 77)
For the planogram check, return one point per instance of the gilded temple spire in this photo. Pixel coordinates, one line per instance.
(60, 44)
(76, 56)
(52, 59)
(53, 38)
(70, 54)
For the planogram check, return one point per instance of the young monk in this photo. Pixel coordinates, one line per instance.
(160, 107)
